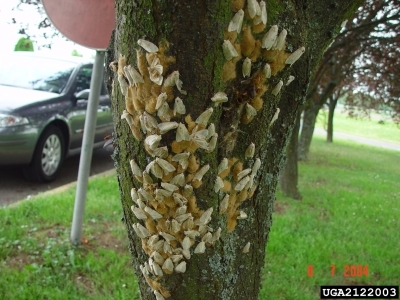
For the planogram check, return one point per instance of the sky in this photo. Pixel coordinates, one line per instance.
(29, 15)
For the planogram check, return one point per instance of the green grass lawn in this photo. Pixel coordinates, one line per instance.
(371, 128)
(349, 216)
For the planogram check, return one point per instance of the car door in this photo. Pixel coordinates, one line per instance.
(77, 115)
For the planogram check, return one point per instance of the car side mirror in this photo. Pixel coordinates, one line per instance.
(84, 94)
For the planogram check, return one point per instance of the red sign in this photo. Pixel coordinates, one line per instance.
(86, 22)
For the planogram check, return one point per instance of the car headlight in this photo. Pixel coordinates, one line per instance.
(10, 120)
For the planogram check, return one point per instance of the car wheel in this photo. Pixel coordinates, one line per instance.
(48, 156)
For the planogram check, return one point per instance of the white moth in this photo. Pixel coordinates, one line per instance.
(246, 248)
(161, 99)
(263, 17)
(186, 253)
(206, 217)
(200, 173)
(243, 173)
(178, 180)
(146, 178)
(246, 67)
(224, 204)
(182, 159)
(219, 183)
(290, 79)
(182, 218)
(187, 191)
(167, 126)
(267, 70)
(169, 187)
(163, 111)
(179, 199)
(181, 267)
(158, 295)
(269, 38)
(157, 257)
(213, 143)
(207, 238)
(152, 240)
(219, 98)
(135, 168)
(134, 195)
(179, 107)
(253, 8)
(250, 183)
(343, 24)
(128, 117)
(146, 196)
(175, 226)
(181, 210)
(295, 56)
(138, 232)
(205, 116)
(122, 84)
(176, 258)
(256, 166)
(161, 193)
(139, 213)
(155, 169)
(148, 268)
(275, 117)
(236, 22)
(168, 265)
(128, 76)
(242, 215)
(135, 75)
(148, 46)
(157, 270)
(242, 183)
(161, 152)
(168, 237)
(228, 50)
(199, 137)
(153, 214)
(200, 248)
(211, 130)
(166, 166)
(223, 165)
(144, 271)
(167, 248)
(159, 245)
(203, 229)
(216, 235)
(173, 79)
(153, 141)
(141, 203)
(188, 224)
(249, 153)
(182, 134)
(192, 234)
(277, 88)
(280, 41)
(186, 243)
(250, 111)
(155, 71)
(145, 232)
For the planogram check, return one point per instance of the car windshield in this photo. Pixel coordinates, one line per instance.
(35, 73)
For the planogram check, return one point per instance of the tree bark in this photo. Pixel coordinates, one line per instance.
(190, 35)
(289, 173)
(332, 105)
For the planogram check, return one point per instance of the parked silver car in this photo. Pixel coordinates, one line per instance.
(43, 104)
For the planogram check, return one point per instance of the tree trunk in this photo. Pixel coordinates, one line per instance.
(289, 174)
(189, 35)
(332, 105)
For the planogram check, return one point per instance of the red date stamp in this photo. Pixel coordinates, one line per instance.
(347, 271)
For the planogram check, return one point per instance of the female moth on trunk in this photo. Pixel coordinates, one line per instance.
(161, 99)
(143, 230)
(182, 159)
(205, 116)
(166, 166)
(128, 117)
(134, 195)
(219, 97)
(161, 152)
(200, 173)
(295, 56)
(179, 107)
(277, 88)
(236, 22)
(144, 195)
(246, 248)
(207, 238)
(224, 204)
(290, 79)
(167, 126)
(223, 165)
(155, 71)
(267, 70)
(181, 268)
(270, 37)
(122, 84)
(249, 153)
(242, 215)
(148, 46)
(253, 8)
(219, 183)
(213, 143)
(135, 75)
(211, 130)
(139, 213)
(242, 183)
(169, 187)
(153, 214)
(256, 166)
(243, 173)
(246, 68)
(158, 295)
(168, 265)
(157, 257)
(153, 141)
(205, 217)
(228, 50)
(128, 76)
(280, 41)
(163, 111)
(135, 168)
(275, 117)
(250, 111)
(263, 17)
(178, 180)
(200, 248)
(182, 134)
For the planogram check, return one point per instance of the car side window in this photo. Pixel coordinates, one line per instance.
(83, 79)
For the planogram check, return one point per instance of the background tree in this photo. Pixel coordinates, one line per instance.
(228, 214)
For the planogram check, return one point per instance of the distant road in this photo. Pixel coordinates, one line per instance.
(13, 186)
(361, 140)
